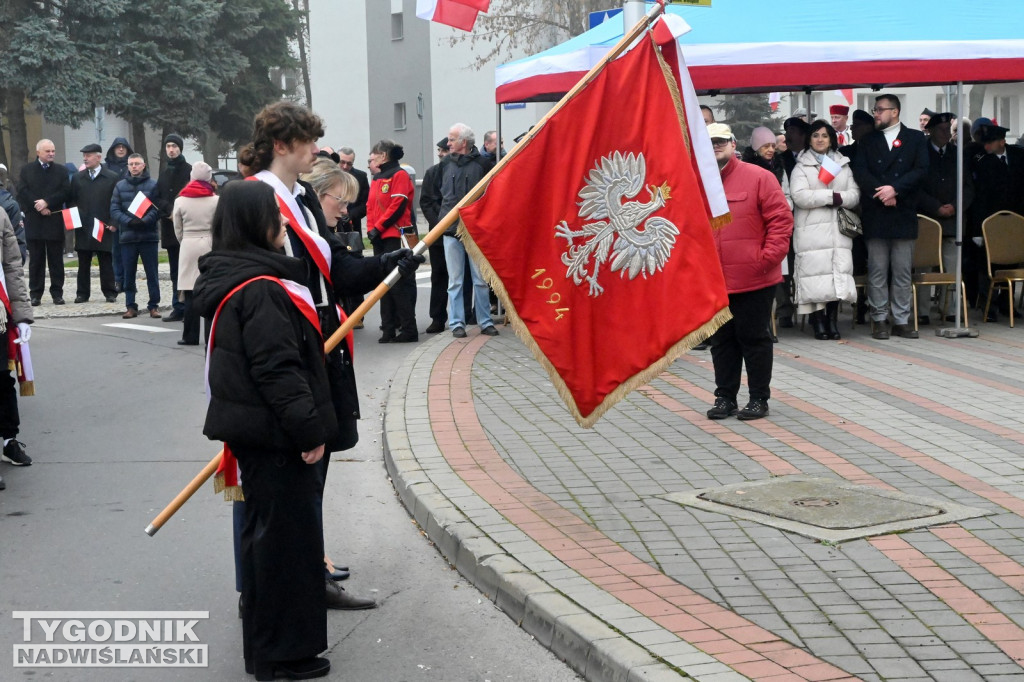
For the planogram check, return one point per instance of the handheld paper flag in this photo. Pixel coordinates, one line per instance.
(829, 170)
(98, 230)
(613, 273)
(140, 204)
(72, 218)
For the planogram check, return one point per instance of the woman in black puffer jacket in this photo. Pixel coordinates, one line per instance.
(270, 403)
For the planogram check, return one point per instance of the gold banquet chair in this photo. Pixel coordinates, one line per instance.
(1003, 233)
(928, 255)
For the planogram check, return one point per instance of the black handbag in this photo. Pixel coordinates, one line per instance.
(849, 223)
(353, 241)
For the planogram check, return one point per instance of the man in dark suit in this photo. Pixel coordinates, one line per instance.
(938, 196)
(862, 126)
(890, 167)
(430, 206)
(42, 190)
(91, 189)
(999, 183)
(353, 221)
(172, 180)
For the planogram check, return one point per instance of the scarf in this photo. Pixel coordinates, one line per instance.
(197, 188)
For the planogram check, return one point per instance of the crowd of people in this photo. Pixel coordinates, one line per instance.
(828, 200)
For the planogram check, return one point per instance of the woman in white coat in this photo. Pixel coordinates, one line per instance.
(820, 183)
(193, 217)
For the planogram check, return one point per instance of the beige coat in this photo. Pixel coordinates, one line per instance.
(14, 276)
(193, 218)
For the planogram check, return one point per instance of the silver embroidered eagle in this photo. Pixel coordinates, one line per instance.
(624, 230)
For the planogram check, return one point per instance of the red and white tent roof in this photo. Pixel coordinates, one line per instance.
(753, 46)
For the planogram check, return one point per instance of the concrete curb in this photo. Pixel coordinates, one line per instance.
(584, 641)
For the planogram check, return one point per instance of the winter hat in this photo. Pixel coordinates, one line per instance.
(760, 137)
(201, 171)
(176, 139)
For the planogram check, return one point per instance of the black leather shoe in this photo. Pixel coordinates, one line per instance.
(36, 301)
(436, 327)
(338, 598)
(703, 345)
(174, 317)
(111, 299)
(722, 408)
(878, 331)
(755, 409)
(406, 338)
(340, 574)
(118, 288)
(303, 669)
(81, 299)
(459, 332)
(924, 321)
(490, 331)
(387, 338)
(58, 301)
(183, 342)
(904, 330)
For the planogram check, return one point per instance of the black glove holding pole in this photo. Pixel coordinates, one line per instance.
(404, 260)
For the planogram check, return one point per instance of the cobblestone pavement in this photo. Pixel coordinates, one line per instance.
(565, 528)
(97, 305)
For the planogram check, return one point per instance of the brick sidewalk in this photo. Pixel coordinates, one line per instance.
(566, 529)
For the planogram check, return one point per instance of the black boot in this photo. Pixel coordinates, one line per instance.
(818, 324)
(832, 321)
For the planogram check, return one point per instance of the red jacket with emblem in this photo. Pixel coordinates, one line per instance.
(752, 246)
(389, 207)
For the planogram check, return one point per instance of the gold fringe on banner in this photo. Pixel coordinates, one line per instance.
(232, 493)
(27, 388)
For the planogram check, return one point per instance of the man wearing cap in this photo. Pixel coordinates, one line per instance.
(938, 197)
(923, 118)
(172, 180)
(999, 186)
(840, 114)
(91, 189)
(751, 249)
(42, 190)
(430, 206)
(890, 167)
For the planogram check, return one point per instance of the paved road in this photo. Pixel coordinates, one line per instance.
(115, 430)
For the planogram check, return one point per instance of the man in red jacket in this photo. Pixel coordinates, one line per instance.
(751, 249)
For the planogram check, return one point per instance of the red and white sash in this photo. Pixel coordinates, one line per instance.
(226, 478)
(19, 358)
(318, 248)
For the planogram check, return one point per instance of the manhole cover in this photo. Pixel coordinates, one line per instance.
(825, 508)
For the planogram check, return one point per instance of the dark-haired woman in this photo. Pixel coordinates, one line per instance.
(270, 403)
(820, 183)
(283, 147)
(388, 214)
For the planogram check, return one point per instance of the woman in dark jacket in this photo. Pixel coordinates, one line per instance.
(761, 151)
(270, 403)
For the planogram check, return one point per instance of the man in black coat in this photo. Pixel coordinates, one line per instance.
(42, 190)
(938, 196)
(999, 185)
(352, 221)
(430, 206)
(890, 167)
(172, 180)
(91, 189)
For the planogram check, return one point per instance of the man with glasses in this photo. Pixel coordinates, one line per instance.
(890, 168)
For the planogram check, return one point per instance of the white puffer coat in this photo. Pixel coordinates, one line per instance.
(823, 267)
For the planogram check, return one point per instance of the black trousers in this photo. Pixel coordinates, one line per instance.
(282, 558)
(106, 262)
(43, 253)
(438, 283)
(745, 340)
(9, 421)
(172, 260)
(190, 330)
(398, 307)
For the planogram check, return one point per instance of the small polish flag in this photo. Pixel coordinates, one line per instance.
(72, 218)
(829, 170)
(140, 204)
(98, 229)
(449, 12)
(773, 100)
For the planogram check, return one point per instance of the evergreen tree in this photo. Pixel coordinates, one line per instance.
(743, 113)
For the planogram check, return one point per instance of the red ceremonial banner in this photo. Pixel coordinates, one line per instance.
(596, 238)
(478, 5)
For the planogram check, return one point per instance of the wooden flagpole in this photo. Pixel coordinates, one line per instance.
(436, 233)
